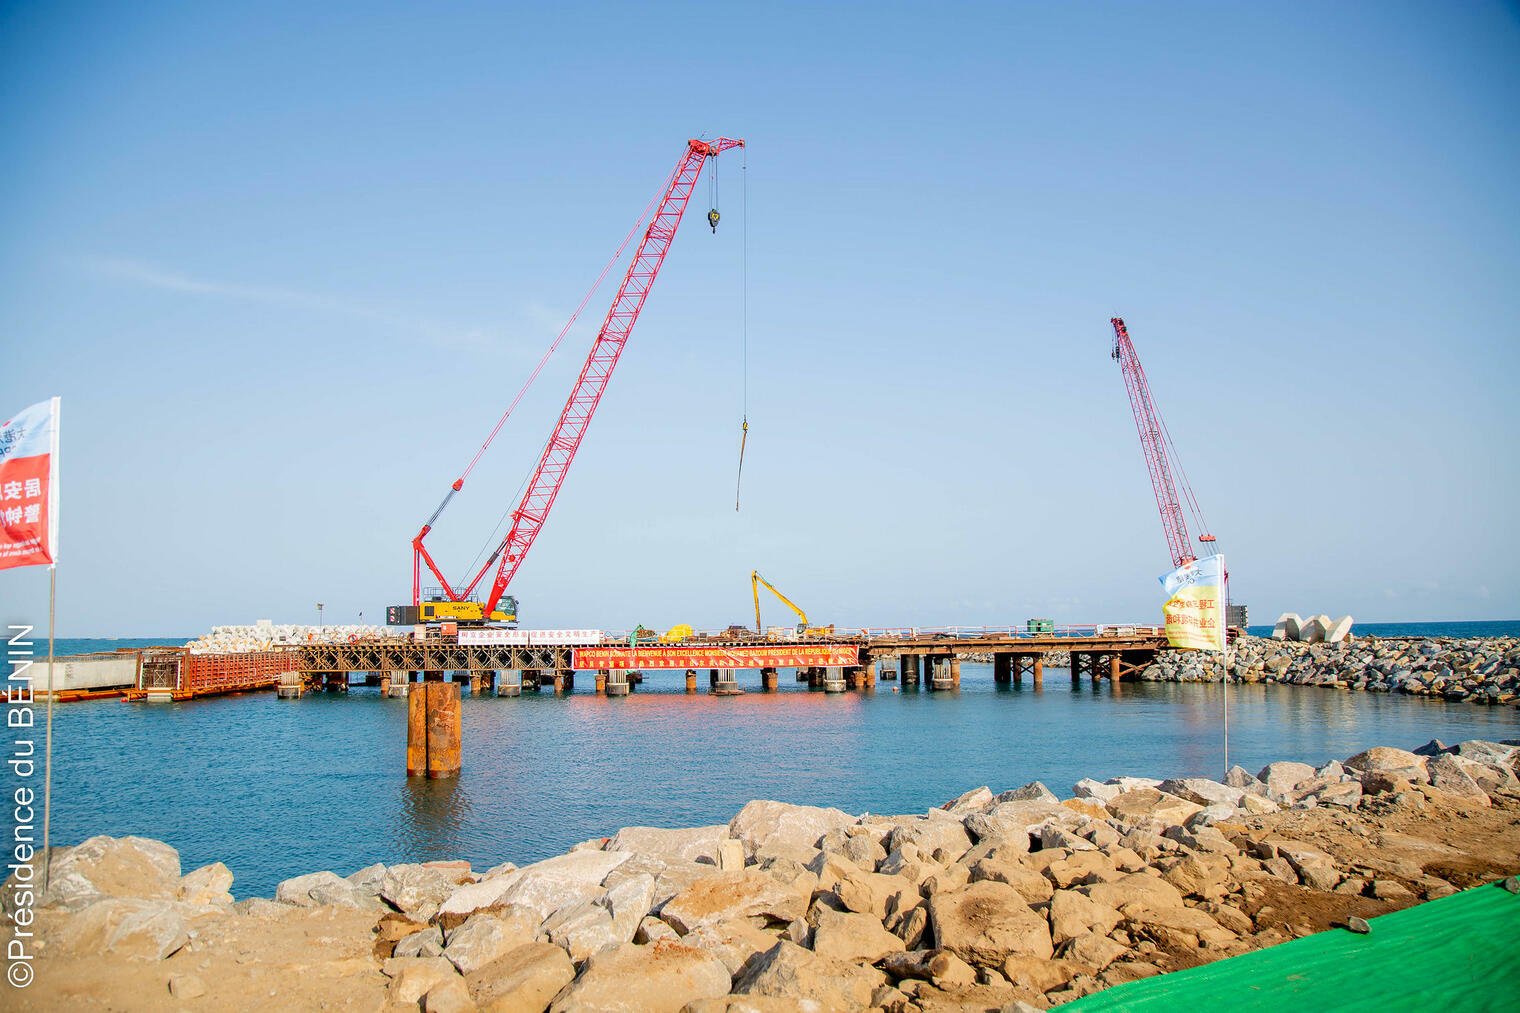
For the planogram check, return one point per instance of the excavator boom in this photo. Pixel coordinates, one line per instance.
(803, 626)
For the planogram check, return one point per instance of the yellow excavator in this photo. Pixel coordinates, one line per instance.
(804, 629)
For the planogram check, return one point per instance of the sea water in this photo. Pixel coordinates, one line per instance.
(276, 788)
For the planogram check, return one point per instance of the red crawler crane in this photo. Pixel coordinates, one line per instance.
(554, 464)
(1155, 442)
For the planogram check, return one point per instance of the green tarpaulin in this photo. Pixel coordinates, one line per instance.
(1458, 953)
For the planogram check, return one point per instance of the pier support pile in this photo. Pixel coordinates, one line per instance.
(433, 730)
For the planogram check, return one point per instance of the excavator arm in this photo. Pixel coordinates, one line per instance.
(755, 580)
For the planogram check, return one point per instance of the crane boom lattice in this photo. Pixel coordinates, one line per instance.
(1153, 442)
(548, 476)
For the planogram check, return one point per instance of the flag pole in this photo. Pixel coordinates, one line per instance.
(52, 536)
(47, 754)
(1224, 654)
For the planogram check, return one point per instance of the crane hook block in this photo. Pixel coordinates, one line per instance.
(712, 219)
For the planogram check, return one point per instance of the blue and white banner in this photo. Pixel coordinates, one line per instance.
(1194, 608)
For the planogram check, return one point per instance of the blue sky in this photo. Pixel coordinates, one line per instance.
(286, 264)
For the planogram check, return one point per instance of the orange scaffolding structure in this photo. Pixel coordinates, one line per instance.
(177, 674)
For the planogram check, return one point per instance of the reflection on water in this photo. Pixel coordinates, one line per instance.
(280, 787)
(434, 815)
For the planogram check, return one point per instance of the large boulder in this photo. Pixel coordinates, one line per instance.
(426, 942)
(127, 927)
(485, 938)
(1148, 805)
(1202, 791)
(368, 878)
(1124, 782)
(972, 801)
(670, 877)
(764, 823)
(451, 996)
(321, 889)
(987, 922)
(527, 977)
(1073, 914)
(1136, 889)
(1345, 794)
(1002, 867)
(875, 893)
(1095, 790)
(1315, 868)
(628, 901)
(1238, 777)
(1094, 950)
(210, 884)
(414, 977)
(848, 936)
(1040, 975)
(1054, 836)
(684, 845)
(543, 887)
(1280, 778)
(862, 849)
(417, 890)
(1080, 867)
(1010, 820)
(660, 978)
(112, 867)
(1199, 875)
(1451, 774)
(733, 942)
(939, 835)
(583, 928)
(1387, 760)
(1180, 928)
(1034, 791)
(1498, 754)
(749, 893)
(605, 921)
(789, 972)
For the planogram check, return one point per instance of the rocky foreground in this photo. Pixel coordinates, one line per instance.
(992, 901)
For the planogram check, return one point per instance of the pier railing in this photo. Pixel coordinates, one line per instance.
(965, 632)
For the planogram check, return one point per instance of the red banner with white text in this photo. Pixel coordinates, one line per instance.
(715, 656)
(29, 487)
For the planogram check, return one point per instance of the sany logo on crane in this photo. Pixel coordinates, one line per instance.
(450, 603)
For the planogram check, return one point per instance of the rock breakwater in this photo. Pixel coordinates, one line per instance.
(994, 900)
(1482, 670)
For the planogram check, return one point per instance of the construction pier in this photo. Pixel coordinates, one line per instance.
(930, 660)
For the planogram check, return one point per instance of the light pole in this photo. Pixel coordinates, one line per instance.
(319, 617)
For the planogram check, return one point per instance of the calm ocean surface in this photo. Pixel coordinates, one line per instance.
(275, 788)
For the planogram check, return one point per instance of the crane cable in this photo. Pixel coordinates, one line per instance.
(743, 314)
(1187, 486)
(639, 223)
(554, 345)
